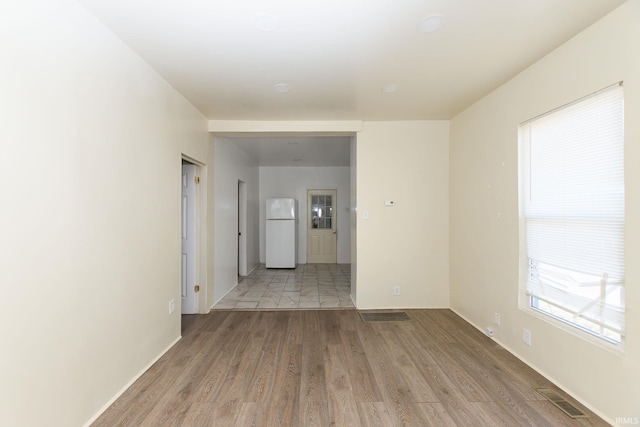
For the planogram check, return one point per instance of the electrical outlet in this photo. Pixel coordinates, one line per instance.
(172, 306)
(526, 336)
(396, 290)
(496, 318)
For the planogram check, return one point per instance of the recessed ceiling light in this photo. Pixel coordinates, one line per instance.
(265, 22)
(390, 88)
(282, 87)
(431, 23)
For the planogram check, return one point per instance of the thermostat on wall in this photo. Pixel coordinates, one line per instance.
(389, 203)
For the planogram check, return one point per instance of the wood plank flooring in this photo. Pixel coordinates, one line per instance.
(329, 368)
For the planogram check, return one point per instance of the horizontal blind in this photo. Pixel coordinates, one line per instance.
(572, 189)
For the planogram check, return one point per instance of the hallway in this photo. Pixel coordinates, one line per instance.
(308, 286)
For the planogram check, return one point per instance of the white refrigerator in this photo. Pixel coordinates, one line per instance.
(281, 233)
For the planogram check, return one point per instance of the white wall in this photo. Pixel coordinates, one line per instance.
(90, 179)
(484, 182)
(294, 182)
(230, 166)
(406, 245)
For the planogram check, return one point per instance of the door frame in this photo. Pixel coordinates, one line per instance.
(200, 206)
(242, 228)
(188, 226)
(334, 221)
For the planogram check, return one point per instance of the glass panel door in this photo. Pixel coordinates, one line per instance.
(321, 211)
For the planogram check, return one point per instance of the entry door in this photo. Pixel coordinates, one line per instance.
(188, 239)
(321, 227)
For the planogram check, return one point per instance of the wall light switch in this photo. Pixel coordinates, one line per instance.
(365, 214)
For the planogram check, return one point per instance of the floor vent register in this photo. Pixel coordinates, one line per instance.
(387, 316)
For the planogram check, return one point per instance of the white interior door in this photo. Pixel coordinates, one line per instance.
(242, 228)
(188, 239)
(322, 224)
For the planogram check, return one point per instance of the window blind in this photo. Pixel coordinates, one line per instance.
(572, 202)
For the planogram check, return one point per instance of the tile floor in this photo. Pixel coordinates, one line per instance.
(308, 286)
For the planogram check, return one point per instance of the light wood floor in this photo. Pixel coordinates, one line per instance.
(329, 368)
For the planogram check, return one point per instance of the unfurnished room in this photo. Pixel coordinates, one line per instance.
(337, 213)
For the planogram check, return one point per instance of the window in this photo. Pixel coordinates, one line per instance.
(321, 211)
(572, 213)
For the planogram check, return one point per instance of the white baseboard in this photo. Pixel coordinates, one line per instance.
(253, 268)
(123, 389)
(567, 390)
(222, 297)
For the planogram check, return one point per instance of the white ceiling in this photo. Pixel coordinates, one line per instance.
(338, 55)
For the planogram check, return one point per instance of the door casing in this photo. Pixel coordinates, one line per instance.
(189, 296)
(322, 243)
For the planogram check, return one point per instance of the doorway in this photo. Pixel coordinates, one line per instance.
(188, 286)
(322, 220)
(242, 228)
